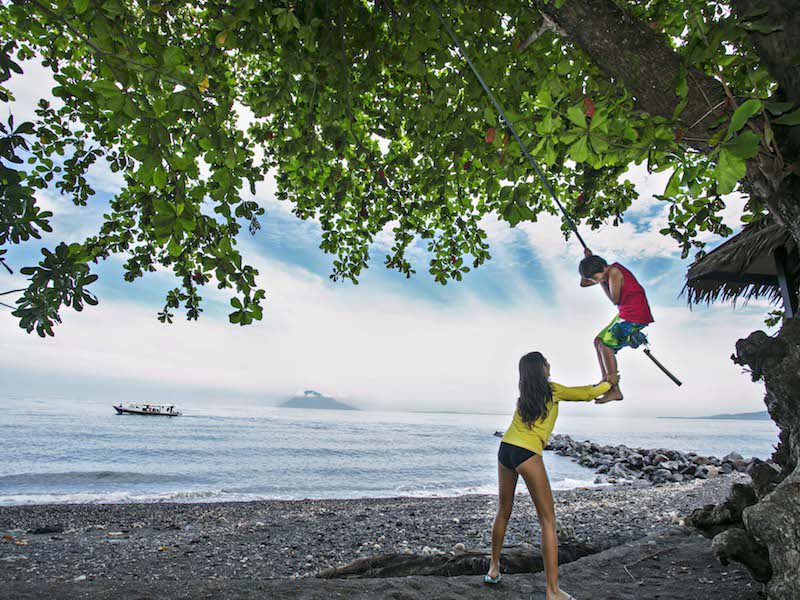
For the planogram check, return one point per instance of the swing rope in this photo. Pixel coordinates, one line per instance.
(507, 123)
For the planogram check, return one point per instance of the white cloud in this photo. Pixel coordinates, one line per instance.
(393, 352)
(34, 84)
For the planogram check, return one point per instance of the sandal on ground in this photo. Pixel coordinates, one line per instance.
(492, 580)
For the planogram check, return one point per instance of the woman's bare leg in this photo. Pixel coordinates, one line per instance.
(535, 476)
(507, 480)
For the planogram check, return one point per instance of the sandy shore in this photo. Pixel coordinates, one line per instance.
(135, 545)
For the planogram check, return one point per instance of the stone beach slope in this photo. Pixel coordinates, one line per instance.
(275, 548)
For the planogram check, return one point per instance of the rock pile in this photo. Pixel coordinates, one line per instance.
(616, 463)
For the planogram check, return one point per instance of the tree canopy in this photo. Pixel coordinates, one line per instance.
(370, 120)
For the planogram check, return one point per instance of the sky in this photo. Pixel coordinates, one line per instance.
(388, 343)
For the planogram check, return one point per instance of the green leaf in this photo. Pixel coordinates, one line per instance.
(173, 56)
(793, 118)
(730, 169)
(744, 145)
(575, 114)
(579, 150)
(159, 178)
(762, 26)
(778, 108)
(743, 113)
(80, 6)
(673, 185)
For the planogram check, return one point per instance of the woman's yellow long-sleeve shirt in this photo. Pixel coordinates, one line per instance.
(534, 437)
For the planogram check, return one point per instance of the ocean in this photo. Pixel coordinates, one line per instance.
(60, 452)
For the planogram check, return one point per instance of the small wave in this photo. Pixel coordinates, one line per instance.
(253, 494)
(121, 497)
(87, 477)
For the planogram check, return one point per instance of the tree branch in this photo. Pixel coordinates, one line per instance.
(629, 51)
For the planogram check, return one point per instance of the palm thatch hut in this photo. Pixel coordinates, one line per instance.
(761, 261)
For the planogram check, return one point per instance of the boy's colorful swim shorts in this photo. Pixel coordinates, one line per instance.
(621, 333)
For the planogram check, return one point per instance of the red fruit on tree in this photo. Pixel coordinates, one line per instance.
(489, 135)
(468, 165)
(678, 134)
(589, 107)
(506, 139)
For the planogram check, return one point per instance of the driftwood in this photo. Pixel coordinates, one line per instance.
(516, 559)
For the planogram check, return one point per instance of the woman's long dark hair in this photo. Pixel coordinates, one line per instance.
(535, 394)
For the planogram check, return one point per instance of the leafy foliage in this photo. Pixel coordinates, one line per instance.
(368, 120)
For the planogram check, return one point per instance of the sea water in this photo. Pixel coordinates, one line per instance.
(73, 452)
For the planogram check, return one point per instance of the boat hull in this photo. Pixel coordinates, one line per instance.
(127, 411)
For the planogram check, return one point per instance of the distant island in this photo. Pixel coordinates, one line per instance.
(761, 415)
(313, 399)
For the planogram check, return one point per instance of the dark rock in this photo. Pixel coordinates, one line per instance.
(713, 519)
(765, 475)
(736, 544)
(55, 528)
(636, 459)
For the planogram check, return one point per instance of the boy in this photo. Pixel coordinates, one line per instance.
(624, 290)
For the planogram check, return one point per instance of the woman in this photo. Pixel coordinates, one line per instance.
(521, 454)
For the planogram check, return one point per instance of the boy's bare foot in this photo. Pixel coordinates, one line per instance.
(612, 395)
(494, 571)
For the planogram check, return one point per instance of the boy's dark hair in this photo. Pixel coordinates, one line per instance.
(591, 265)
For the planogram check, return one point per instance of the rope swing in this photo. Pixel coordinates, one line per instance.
(505, 122)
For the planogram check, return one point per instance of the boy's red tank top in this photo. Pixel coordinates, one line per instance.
(633, 304)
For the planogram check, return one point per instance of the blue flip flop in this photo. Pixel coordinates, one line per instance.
(492, 580)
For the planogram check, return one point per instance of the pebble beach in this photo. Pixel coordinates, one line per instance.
(298, 539)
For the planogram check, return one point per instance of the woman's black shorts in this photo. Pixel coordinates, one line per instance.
(513, 456)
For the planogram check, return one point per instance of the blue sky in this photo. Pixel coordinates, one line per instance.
(388, 343)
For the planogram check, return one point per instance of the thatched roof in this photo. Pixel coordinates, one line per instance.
(742, 268)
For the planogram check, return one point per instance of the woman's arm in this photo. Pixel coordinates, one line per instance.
(580, 393)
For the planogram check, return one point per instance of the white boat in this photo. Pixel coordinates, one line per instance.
(161, 410)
